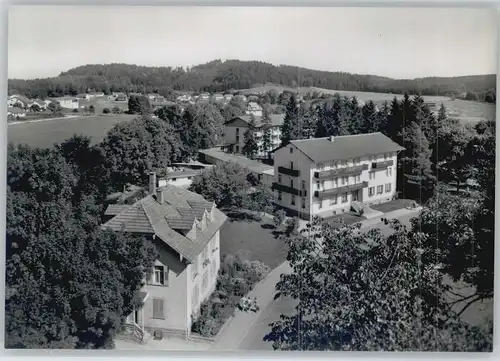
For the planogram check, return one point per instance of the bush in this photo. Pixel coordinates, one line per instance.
(116, 110)
(279, 217)
(236, 278)
(106, 111)
(75, 110)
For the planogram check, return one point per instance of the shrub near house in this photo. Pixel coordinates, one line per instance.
(236, 278)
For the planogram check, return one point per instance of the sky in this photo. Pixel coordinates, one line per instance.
(395, 42)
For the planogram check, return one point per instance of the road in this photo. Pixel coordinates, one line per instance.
(253, 340)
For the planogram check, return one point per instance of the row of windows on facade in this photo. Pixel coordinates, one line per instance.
(161, 278)
(333, 201)
(344, 180)
(351, 162)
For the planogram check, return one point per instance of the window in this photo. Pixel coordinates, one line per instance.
(291, 183)
(380, 189)
(371, 191)
(279, 196)
(317, 185)
(293, 201)
(388, 171)
(303, 203)
(388, 187)
(237, 138)
(160, 275)
(386, 156)
(372, 175)
(291, 163)
(345, 180)
(174, 179)
(320, 204)
(344, 197)
(335, 182)
(279, 178)
(357, 179)
(291, 151)
(237, 130)
(303, 184)
(333, 201)
(158, 309)
(205, 281)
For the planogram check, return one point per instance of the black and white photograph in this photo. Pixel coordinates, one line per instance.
(195, 178)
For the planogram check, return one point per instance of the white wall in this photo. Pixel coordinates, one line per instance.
(181, 181)
(283, 157)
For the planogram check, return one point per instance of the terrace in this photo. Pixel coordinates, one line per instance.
(339, 172)
(339, 190)
(383, 164)
(289, 171)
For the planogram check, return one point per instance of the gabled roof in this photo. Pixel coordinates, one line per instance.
(276, 120)
(345, 147)
(21, 98)
(178, 212)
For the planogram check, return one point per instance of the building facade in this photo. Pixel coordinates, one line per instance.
(184, 228)
(324, 176)
(235, 129)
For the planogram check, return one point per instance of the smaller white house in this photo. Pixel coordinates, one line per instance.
(254, 108)
(68, 102)
(21, 100)
(83, 96)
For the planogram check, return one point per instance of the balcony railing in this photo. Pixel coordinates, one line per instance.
(286, 189)
(339, 190)
(339, 172)
(288, 171)
(383, 164)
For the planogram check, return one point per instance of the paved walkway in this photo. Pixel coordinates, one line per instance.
(231, 337)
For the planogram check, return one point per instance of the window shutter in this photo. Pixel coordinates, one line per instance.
(158, 311)
(165, 276)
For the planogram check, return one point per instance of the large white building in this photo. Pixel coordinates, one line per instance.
(235, 129)
(323, 176)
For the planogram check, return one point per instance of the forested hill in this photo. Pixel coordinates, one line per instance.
(220, 75)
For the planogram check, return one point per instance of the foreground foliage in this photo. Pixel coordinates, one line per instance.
(361, 291)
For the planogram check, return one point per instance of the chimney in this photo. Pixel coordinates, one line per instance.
(331, 138)
(159, 196)
(152, 183)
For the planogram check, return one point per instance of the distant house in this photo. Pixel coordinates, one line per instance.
(19, 99)
(96, 95)
(83, 96)
(16, 112)
(184, 228)
(228, 97)
(40, 103)
(120, 97)
(68, 102)
(218, 97)
(180, 176)
(254, 108)
(184, 98)
(204, 96)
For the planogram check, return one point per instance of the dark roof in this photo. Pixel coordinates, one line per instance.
(276, 119)
(16, 110)
(346, 147)
(178, 211)
(22, 98)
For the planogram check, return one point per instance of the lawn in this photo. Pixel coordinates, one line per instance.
(47, 132)
(253, 240)
(392, 205)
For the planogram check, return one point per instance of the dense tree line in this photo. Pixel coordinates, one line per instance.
(218, 76)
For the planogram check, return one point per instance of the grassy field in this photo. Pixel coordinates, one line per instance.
(466, 111)
(47, 132)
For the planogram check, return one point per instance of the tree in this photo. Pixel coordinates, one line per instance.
(139, 104)
(417, 165)
(250, 146)
(260, 199)
(91, 109)
(266, 132)
(383, 118)
(361, 291)
(133, 149)
(369, 121)
(395, 122)
(225, 184)
(292, 127)
(69, 283)
(106, 111)
(116, 110)
(354, 115)
(54, 107)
